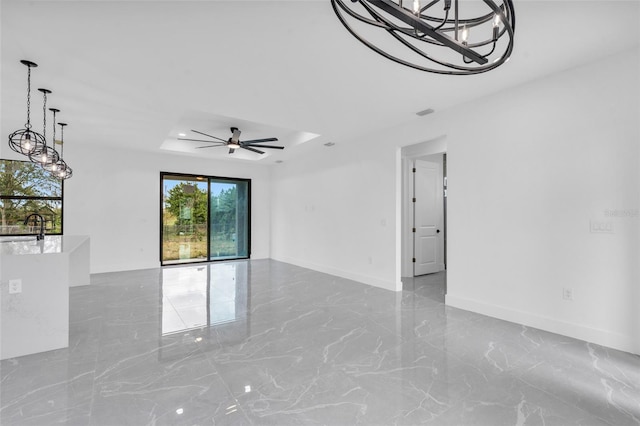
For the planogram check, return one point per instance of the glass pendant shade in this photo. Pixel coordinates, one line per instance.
(26, 141)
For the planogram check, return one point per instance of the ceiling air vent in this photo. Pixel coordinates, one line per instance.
(425, 112)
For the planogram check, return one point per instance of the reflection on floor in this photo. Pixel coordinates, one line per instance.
(264, 342)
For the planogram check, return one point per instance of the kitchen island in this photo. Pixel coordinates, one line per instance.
(35, 277)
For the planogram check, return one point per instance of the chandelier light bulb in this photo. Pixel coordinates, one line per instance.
(464, 34)
(496, 20)
(416, 7)
(26, 142)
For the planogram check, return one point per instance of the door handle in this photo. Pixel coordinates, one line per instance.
(437, 231)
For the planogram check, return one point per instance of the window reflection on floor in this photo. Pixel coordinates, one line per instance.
(202, 296)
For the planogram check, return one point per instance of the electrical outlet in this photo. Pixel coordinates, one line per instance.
(15, 286)
(567, 294)
(601, 227)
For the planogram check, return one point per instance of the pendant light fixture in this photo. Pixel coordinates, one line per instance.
(26, 141)
(58, 168)
(48, 155)
(449, 39)
(63, 171)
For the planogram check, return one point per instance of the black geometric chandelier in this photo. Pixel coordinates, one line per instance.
(26, 141)
(438, 36)
(33, 144)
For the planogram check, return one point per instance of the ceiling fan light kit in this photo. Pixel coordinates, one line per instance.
(437, 36)
(34, 145)
(234, 142)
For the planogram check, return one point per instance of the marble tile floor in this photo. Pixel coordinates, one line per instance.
(267, 343)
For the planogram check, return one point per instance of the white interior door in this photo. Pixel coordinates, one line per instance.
(428, 217)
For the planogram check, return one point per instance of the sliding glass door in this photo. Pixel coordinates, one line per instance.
(204, 218)
(228, 217)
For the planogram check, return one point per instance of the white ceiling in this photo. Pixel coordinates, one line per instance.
(134, 74)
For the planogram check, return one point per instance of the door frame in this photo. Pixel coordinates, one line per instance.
(434, 146)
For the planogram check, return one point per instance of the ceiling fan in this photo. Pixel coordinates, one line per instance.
(234, 142)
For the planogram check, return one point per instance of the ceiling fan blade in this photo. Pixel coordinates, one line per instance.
(263, 146)
(231, 150)
(251, 149)
(236, 135)
(215, 137)
(261, 140)
(198, 140)
(208, 146)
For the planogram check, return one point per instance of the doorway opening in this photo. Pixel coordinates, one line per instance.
(203, 218)
(424, 221)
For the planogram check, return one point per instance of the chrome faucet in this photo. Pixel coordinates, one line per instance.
(40, 235)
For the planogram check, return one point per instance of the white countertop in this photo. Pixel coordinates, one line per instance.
(12, 246)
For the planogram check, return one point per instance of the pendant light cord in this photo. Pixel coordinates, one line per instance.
(28, 125)
(61, 140)
(44, 119)
(54, 128)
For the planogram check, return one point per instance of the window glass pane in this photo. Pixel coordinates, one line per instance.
(223, 219)
(14, 213)
(25, 179)
(229, 219)
(184, 219)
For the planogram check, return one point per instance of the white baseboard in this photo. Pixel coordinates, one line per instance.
(601, 337)
(373, 281)
(101, 269)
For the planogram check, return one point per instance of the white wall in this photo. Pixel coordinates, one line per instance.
(528, 170)
(528, 173)
(333, 211)
(114, 198)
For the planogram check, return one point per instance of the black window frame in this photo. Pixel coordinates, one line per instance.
(35, 198)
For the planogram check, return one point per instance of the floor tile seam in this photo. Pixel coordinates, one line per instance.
(563, 400)
(47, 390)
(95, 368)
(230, 394)
(573, 406)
